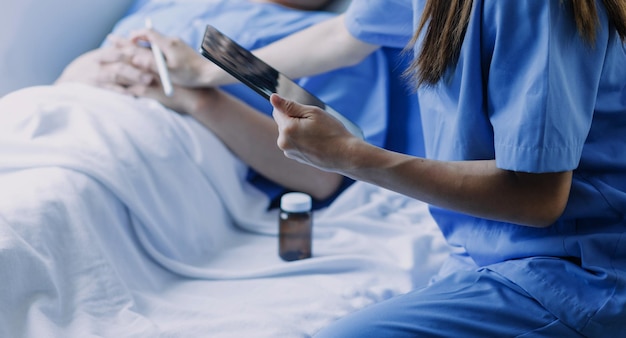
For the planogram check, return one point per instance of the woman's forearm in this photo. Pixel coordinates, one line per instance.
(477, 188)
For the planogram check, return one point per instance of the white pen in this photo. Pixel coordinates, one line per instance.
(161, 66)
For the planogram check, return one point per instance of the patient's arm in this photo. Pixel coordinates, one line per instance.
(245, 131)
(106, 67)
(248, 134)
(323, 47)
(320, 48)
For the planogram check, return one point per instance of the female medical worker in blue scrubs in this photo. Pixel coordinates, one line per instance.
(525, 134)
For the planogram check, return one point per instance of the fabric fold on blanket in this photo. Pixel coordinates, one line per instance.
(56, 279)
(138, 150)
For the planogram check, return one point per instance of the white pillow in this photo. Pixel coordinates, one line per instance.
(39, 37)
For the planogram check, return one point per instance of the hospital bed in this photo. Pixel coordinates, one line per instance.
(75, 253)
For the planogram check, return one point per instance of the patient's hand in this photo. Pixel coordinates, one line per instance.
(106, 67)
(183, 62)
(184, 100)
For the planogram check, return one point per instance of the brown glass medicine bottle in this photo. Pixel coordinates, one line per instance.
(295, 226)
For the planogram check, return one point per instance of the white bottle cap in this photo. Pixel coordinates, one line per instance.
(296, 202)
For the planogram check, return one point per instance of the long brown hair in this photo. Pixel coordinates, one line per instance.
(445, 24)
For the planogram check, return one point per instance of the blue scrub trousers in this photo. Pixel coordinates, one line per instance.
(477, 303)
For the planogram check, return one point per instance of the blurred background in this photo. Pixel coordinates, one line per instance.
(39, 37)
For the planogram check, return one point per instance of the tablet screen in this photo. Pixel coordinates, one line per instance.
(258, 75)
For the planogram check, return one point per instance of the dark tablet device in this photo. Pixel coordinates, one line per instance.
(258, 75)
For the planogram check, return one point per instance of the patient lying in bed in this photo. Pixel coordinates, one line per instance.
(237, 117)
(121, 217)
(360, 92)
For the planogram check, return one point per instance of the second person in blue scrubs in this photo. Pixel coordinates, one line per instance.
(523, 105)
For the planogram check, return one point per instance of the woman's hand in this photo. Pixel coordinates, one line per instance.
(185, 65)
(310, 135)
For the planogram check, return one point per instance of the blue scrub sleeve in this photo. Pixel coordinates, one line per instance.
(389, 23)
(542, 83)
(386, 23)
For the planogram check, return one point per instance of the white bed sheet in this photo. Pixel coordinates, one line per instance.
(120, 218)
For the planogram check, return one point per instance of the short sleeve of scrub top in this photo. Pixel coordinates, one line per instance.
(540, 109)
(390, 24)
(522, 52)
(386, 23)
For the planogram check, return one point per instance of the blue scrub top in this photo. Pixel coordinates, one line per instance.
(359, 92)
(530, 93)
(390, 24)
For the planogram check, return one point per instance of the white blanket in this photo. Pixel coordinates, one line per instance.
(119, 217)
